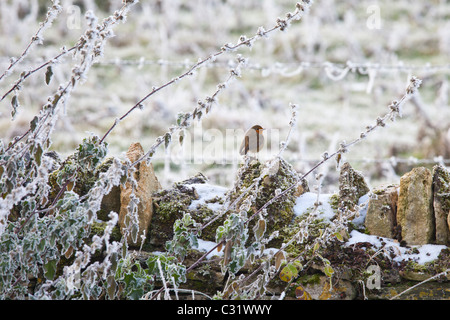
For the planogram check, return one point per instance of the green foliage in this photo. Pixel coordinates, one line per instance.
(184, 237)
(40, 232)
(234, 232)
(170, 266)
(135, 280)
(289, 272)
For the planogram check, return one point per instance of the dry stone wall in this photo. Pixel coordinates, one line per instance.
(416, 211)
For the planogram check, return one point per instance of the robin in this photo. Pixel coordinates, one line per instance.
(253, 140)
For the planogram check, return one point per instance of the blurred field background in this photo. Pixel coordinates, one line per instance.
(343, 63)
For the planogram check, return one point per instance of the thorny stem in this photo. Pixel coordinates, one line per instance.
(243, 41)
(195, 264)
(36, 38)
(29, 73)
(443, 273)
(79, 44)
(60, 193)
(197, 112)
(155, 90)
(415, 83)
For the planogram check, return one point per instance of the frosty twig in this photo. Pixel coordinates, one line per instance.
(52, 14)
(282, 24)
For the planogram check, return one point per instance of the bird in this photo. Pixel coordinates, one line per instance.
(253, 140)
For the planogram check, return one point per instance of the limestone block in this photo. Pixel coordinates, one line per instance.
(414, 211)
(381, 212)
(352, 186)
(441, 204)
(147, 183)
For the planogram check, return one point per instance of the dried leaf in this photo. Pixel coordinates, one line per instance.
(111, 286)
(48, 75)
(279, 258)
(326, 292)
(181, 138)
(316, 247)
(260, 229)
(69, 252)
(302, 294)
(14, 105)
(34, 123)
(227, 252)
(38, 154)
(167, 139)
(338, 160)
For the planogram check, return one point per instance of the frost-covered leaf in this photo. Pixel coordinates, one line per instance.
(338, 235)
(38, 154)
(260, 228)
(328, 270)
(50, 269)
(111, 286)
(15, 105)
(279, 258)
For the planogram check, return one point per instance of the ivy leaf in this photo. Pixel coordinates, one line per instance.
(38, 154)
(50, 269)
(288, 272)
(328, 270)
(339, 236)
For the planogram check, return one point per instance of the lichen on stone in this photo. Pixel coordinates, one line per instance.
(279, 213)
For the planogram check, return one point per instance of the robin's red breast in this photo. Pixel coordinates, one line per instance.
(253, 140)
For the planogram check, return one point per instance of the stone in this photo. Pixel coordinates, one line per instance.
(441, 204)
(280, 176)
(169, 205)
(322, 290)
(448, 220)
(382, 211)
(352, 186)
(414, 211)
(110, 202)
(147, 183)
(406, 291)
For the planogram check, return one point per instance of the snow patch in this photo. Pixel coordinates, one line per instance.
(359, 221)
(420, 253)
(205, 193)
(305, 203)
(205, 246)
